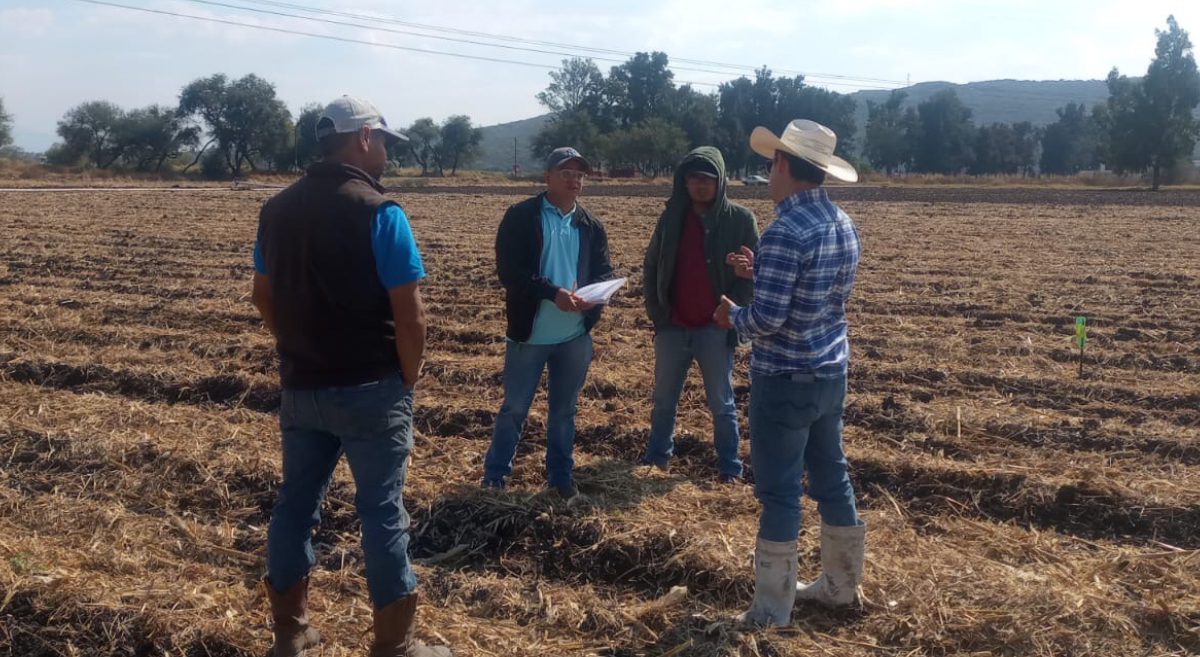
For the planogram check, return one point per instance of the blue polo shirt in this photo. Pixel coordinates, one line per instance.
(397, 260)
(560, 264)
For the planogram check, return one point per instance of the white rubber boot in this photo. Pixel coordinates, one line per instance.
(841, 566)
(774, 584)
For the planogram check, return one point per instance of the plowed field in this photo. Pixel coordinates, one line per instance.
(1014, 507)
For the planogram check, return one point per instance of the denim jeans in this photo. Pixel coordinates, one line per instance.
(674, 350)
(567, 363)
(372, 425)
(796, 426)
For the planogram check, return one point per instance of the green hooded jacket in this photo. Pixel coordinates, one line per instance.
(727, 227)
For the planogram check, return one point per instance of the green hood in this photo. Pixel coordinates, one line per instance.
(679, 194)
(727, 227)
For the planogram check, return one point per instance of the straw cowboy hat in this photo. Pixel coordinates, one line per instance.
(807, 140)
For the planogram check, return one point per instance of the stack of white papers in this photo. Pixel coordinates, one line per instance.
(600, 292)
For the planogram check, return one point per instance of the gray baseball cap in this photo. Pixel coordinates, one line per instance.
(350, 114)
(561, 156)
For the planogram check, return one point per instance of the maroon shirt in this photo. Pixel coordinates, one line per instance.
(692, 302)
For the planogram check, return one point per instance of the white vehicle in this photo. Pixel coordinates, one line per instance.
(754, 180)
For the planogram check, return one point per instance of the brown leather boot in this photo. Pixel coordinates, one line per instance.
(394, 632)
(290, 611)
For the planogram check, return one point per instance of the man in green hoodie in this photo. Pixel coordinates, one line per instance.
(685, 276)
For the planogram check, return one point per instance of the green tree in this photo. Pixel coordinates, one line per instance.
(280, 150)
(641, 88)
(795, 100)
(151, 135)
(653, 146)
(887, 146)
(91, 130)
(578, 85)
(308, 149)
(571, 129)
(245, 120)
(1070, 144)
(998, 150)
(213, 165)
(735, 120)
(425, 144)
(1152, 120)
(774, 102)
(946, 135)
(696, 113)
(5, 126)
(1102, 123)
(460, 142)
(1028, 137)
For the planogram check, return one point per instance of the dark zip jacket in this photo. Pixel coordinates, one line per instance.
(519, 263)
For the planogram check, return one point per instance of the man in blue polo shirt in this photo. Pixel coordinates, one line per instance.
(336, 280)
(547, 247)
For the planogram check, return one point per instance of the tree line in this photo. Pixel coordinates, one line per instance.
(230, 127)
(636, 117)
(1147, 124)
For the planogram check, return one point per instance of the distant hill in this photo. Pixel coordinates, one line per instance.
(995, 101)
(999, 101)
(497, 144)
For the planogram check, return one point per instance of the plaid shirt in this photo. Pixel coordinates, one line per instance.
(803, 274)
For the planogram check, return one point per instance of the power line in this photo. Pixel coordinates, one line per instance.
(368, 43)
(980, 92)
(426, 36)
(512, 39)
(314, 35)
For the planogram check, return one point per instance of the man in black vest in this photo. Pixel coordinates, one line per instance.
(546, 247)
(336, 280)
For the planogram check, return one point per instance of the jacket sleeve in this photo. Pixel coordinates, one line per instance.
(515, 274)
(742, 289)
(601, 264)
(600, 269)
(654, 309)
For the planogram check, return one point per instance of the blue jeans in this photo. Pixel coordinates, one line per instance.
(674, 350)
(796, 426)
(567, 363)
(372, 425)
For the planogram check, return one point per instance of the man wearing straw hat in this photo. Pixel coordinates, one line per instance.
(803, 273)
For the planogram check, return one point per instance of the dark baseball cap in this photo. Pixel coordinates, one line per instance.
(561, 156)
(702, 167)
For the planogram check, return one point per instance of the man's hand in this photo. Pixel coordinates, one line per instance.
(743, 262)
(260, 296)
(408, 314)
(567, 302)
(721, 315)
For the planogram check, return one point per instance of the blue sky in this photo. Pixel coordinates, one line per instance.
(57, 53)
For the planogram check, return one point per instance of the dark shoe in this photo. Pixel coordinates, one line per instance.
(654, 464)
(567, 492)
(497, 484)
(289, 610)
(729, 479)
(394, 632)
